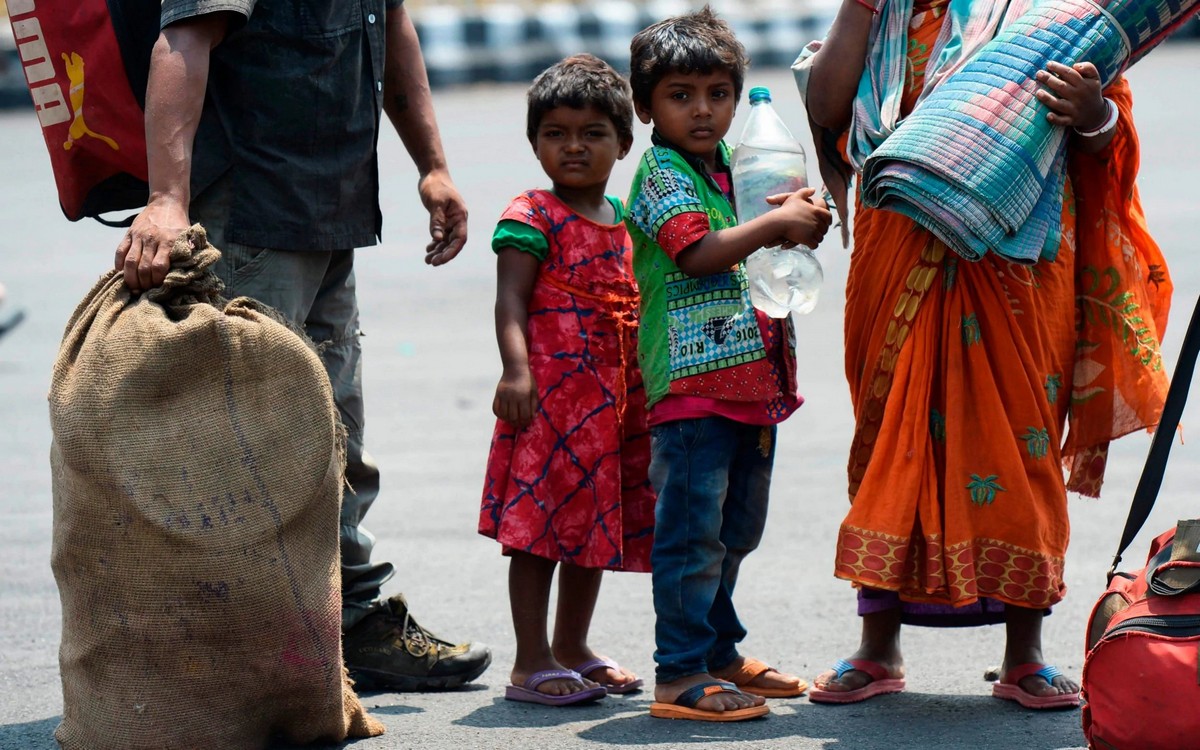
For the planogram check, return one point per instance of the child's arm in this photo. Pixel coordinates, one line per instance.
(801, 219)
(516, 395)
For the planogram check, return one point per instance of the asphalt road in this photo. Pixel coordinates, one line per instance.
(431, 367)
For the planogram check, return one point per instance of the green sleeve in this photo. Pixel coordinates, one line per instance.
(618, 207)
(510, 233)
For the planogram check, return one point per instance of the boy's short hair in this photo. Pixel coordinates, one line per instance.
(580, 81)
(697, 42)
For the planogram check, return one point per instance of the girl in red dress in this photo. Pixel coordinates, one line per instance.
(567, 482)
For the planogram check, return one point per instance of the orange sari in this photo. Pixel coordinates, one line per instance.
(964, 376)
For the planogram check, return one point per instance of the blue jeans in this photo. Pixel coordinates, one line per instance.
(713, 477)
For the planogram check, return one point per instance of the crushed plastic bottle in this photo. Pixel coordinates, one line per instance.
(768, 160)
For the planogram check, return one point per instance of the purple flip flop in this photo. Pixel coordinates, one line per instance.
(528, 692)
(591, 666)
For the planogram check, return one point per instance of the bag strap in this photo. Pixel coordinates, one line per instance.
(1159, 572)
(1160, 448)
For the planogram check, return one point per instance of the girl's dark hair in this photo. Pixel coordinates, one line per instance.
(697, 42)
(578, 82)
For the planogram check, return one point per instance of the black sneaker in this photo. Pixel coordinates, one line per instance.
(388, 650)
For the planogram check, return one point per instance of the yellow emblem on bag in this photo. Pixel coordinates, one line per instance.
(79, 128)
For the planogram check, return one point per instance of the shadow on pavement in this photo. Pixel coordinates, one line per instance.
(379, 711)
(642, 729)
(471, 687)
(503, 713)
(911, 720)
(394, 710)
(39, 735)
(30, 735)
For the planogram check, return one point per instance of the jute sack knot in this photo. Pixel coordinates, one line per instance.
(197, 465)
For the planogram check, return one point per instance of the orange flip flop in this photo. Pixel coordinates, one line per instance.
(751, 669)
(882, 682)
(1009, 689)
(684, 706)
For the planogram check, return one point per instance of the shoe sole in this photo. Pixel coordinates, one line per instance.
(673, 711)
(374, 679)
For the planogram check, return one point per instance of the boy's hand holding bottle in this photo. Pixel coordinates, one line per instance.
(770, 182)
(803, 217)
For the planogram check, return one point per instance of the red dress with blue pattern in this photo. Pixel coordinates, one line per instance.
(573, 485)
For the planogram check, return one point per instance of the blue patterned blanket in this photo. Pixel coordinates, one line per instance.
(976, 162)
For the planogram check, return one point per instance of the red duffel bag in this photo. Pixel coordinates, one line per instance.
(1141, 675)
(86, 63)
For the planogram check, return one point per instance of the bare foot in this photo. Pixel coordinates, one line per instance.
(564, 686)
(880, 644)
(1035, 684)
(853, 679)
(1023, 645)
(669, 692)
(765, 677)
(603, 670)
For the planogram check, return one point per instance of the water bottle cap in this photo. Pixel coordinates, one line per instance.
(760, 94)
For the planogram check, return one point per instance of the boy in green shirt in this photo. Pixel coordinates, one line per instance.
(719, 374)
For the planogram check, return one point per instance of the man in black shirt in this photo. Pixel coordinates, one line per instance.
(262, 124)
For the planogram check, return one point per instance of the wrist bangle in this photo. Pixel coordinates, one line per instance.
(1109, 122)
(868, 5)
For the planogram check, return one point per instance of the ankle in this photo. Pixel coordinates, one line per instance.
(572, 651)
(675, 687)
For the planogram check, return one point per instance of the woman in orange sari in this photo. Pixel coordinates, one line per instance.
(965, 376)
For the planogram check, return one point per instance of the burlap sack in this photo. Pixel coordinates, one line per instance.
(197, 462)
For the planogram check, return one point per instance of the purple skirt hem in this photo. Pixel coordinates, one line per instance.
(983, 612)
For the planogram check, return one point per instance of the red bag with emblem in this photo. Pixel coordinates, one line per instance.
(1141, 675)
(86, 64)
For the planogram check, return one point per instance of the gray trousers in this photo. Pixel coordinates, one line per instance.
(315, 290)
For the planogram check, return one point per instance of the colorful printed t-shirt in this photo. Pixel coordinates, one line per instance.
(700, 338)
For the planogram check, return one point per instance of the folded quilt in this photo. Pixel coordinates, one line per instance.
(977, 163)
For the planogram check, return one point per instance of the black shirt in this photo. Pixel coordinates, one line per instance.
(292, 114)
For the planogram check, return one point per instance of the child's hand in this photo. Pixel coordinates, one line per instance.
(804, 217)
(516, 398)
(1073, 95)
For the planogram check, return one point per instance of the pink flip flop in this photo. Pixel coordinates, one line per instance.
(1009, 689)
(528, 692)
(591, 666)
(882, 682)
